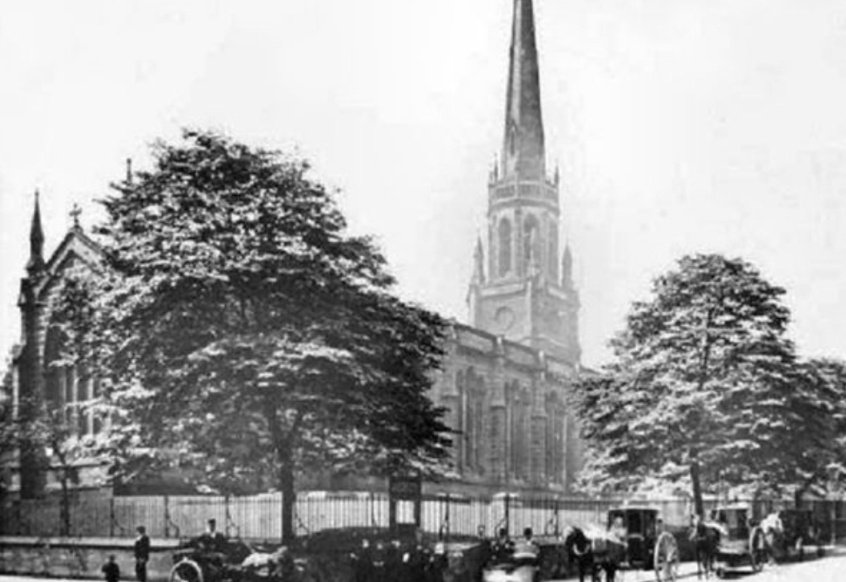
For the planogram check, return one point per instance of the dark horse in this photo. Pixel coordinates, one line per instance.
(579, 549)
(705, 540)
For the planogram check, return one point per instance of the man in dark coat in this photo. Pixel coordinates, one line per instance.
(363, 563)
(142, 554)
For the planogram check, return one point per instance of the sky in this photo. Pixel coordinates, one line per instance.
(679, 126)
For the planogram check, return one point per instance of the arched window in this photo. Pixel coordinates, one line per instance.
(473, 436)
(519, 429)
(478, 437)
(552, 449)
(459, 423)
(552, 254)
(55, 375)
(504, 247)
(531, 241)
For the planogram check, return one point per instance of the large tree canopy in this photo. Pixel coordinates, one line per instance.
(705, 367)
(244, 334)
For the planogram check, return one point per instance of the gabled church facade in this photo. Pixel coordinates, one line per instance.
(506, 375)
(35, 376)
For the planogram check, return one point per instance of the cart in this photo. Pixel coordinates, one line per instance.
(740, 543)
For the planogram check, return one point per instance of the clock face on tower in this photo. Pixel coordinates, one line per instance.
(504, 319)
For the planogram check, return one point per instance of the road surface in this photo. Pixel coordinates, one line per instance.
(827, 569)
(831, 568)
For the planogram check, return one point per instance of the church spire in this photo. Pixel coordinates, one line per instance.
(523, 152)
(36, 240)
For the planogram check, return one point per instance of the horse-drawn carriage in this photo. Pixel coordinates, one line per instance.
(207, 559)
(740, 543)
(632, 539)
(789, 531)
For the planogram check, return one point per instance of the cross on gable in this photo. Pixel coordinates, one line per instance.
(75, 212)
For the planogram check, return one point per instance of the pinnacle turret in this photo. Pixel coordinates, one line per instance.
(36, 240)
(567, 268)
(478, 263)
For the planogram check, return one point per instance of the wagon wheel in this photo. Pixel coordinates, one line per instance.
(186, 571)
(666, 558)
(757, 549)
(599, 574)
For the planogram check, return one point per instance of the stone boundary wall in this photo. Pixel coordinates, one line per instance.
(81, 557)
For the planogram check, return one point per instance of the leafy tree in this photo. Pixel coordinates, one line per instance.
(704, 368)
(822, 399)
(53, 433)
(241, 332)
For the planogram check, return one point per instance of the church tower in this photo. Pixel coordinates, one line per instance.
(524, 291)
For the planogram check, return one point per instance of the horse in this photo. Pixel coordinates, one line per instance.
(582, 548)
(579, 550)
(774, 536)
(706, 539)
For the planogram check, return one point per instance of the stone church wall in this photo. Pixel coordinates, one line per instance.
(507, 406)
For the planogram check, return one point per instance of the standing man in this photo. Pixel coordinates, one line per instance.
(212, 540)
(142, 554)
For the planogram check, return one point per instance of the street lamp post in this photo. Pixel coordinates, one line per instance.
(833, 470)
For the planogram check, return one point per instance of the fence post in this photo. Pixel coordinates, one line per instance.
(446, 519)
(166, 517)
(226, 514)
(557, 518)
(111, 517)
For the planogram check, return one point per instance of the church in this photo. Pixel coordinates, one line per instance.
(507, 372)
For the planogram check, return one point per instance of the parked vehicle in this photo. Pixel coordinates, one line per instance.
(789, 532)
(740, 543)
(632, 539)
(230, 560)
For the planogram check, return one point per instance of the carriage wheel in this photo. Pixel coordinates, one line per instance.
(666, 558)
(186, 571)
(757, 549)
(599, 574)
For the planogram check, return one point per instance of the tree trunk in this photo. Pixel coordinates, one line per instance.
(65, 507)
(283, 442)
(697, 489)
(286, 486)
(799, 493)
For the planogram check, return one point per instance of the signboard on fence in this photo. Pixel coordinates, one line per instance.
(405, 488)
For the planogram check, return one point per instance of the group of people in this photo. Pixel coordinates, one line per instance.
(523, 550)
(211, 540)
(388, 562)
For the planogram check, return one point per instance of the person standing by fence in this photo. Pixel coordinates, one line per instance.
(142, 554)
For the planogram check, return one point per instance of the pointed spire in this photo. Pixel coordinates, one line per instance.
(523, 145)
(478, 263)
(567, 268)
(36, 239)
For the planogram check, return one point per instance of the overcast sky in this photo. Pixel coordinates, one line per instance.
(679, 125)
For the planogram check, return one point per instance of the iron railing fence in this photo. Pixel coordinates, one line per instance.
(259, 517)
